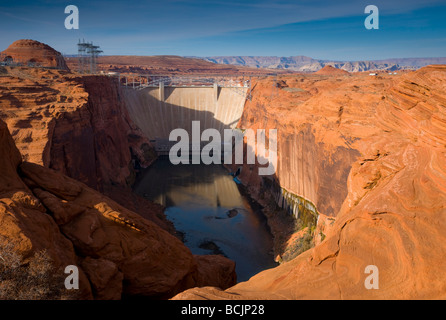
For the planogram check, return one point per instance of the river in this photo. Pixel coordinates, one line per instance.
(208, 208)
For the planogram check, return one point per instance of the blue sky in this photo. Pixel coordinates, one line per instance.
(322, 29)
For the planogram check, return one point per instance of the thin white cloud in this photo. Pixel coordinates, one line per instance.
(22, 18)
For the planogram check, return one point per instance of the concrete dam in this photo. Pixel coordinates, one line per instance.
(157, 110)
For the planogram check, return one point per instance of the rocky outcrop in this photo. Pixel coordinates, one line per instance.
(98, 144)
(389, 207)
(118, 252)
(76, 125)
(33, 53)
(330, 70)
(25, 224)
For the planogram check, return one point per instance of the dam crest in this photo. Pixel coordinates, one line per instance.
(160, 104)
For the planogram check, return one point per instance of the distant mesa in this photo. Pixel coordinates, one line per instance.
(307, 64)
(328, 70)
(33, 53)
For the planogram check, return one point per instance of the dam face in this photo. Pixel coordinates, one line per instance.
(159, 110)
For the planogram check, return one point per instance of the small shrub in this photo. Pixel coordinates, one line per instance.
(299, 246)
(36, 279)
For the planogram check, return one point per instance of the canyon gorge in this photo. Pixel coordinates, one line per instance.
(360, 179)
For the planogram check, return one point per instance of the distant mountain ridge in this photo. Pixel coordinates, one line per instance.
(307, 64)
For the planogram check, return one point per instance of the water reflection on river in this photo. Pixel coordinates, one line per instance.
(205, 204)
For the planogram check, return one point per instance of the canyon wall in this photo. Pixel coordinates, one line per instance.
(384, 138)
(314, 142)
(76, 125)
(98, 144)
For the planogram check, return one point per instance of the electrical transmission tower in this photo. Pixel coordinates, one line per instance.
(87, 56)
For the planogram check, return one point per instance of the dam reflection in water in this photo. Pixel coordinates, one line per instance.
(200, 201)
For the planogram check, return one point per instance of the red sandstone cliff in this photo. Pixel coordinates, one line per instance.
(76, 125)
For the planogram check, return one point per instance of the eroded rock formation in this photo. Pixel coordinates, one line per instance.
(330, 70)
(34, 53)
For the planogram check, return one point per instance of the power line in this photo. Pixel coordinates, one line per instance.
(87, 56)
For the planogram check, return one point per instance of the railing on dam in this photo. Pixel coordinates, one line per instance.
(141, 81)
(239, 83)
